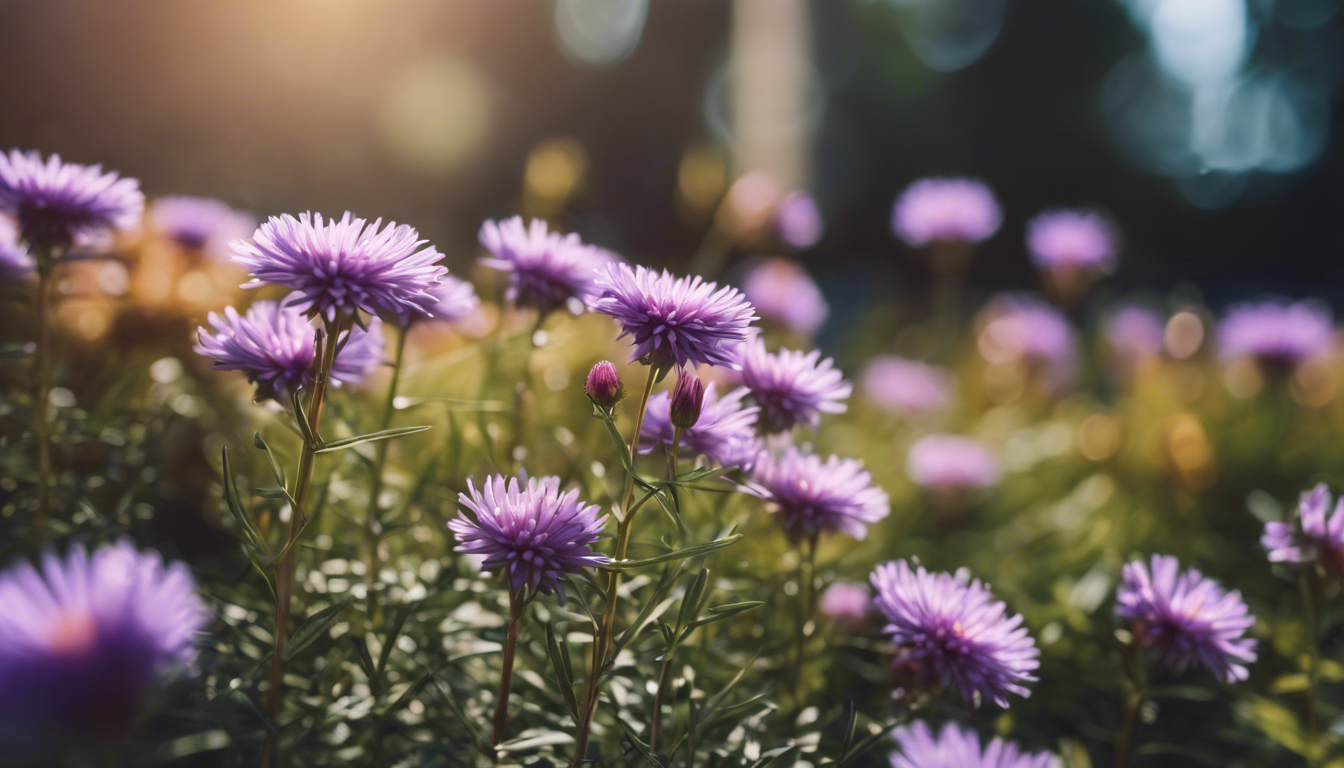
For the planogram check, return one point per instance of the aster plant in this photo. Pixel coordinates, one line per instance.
(791, 387)
(87, 640)
(947, 211)
(955, 746)
(907, 388)
(1277, 336)
(199, 223)
(1072, 247)
(950, 632)
(535, 536)
(54, 203)
(546, 270)
(725, 432)
(782, 292)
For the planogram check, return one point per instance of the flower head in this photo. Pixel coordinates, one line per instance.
(845, 601)
(14, 256)
(546, 269)
(906, 387)
(782, 291)
(1077, 239)
(85, 640)
(725, 433)
(1315, 536)
(952, 463)
(810, 497)
(958, 747)
(1184, 617)
(56, 202)
(688, 398)
(1017, 329)
(274, 346)
(946, 210)
(531, 532)
(198, 223)
(342, 267)
(454, 300)
(674, 321)
(790, 386)
(1136, 336)
(604, 385)
(798, 221)
(1276, 335)
(954, 633)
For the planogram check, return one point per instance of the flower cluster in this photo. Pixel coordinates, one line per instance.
(1185, 618)
(530, 532)
(953, 632)
(811, 497)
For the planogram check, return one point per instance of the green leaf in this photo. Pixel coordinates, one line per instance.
(240, 513)
(365, 660)
(276, 470)
(1277, 722)
(690, 601)
(272, 493)
(313, 627)
(564, 676)
(410, 693)
(403, 613)
(721, 612)
(478, 737)
(675, 555)
(640, 746)
(301, 416)
(772, 756)
(350, 442)
(655, 602)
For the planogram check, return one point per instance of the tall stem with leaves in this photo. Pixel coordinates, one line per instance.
(285, 573)
(606, 630)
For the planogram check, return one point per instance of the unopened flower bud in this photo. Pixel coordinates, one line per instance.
(604, 385)
(687, 398)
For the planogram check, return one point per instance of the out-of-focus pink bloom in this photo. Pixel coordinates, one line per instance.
(906, 387)
(948, 463)
(846, 601)
(783, 292)
(946, 210)
(798, 220)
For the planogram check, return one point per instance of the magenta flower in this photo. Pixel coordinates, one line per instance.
(274, 346)
(725, 432)
(674, 321)
(1185, 618)
(86, 640)
(1276, 335)
(955, 634)
(906, 387)
(603, 385)
(798, 220)
(1316, 535)
(337, 268)
(845, 601)
(199, 222)
(531, 532)
(1022, 330)
(55, 202)
(948, 463)
(946, 211)
(782, 291)
(1077, 239)
(546, 269)
(959, 747)
(810, 497)
(14, 257)
(790, 386)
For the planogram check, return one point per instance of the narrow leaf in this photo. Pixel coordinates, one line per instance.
(676, 554)
(313, 627)
(349, 442)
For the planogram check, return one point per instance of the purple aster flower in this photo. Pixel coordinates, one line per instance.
(845, 601)
(1184, 617)
(454, 300)
(1315, 536)
(86, 639)
(274, 346)
(1277, 335)
(56, 202)
(790, 386)
(1017, 329)
(14, 256)
(782, 291)
(1136, 335)
(1073, 239)
(810, 497)
(946, 210)
(546, 269)
(952, 632)
(951, 463)
(724, 434)
(798, 220)
(906, 387)
(531, 533)
(958, 747)
(196, 223)
(674, 321)
(342, 267)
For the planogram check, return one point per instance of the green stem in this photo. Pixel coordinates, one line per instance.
(806, 575)
(655, 727)
(516, 604)
(606, 630)
(285, 576)
(524, 389)
(1133, 696)
(41, 397)
(1307, 587)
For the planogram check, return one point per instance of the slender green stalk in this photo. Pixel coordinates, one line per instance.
(524, 390)
(606, 630)
(516, 604)
(1133, 696)
(41, 396)
(285, 576)
(806, 576)
(1307, 586)
(655, 726)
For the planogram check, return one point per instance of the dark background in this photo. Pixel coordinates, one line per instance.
(273, 106)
